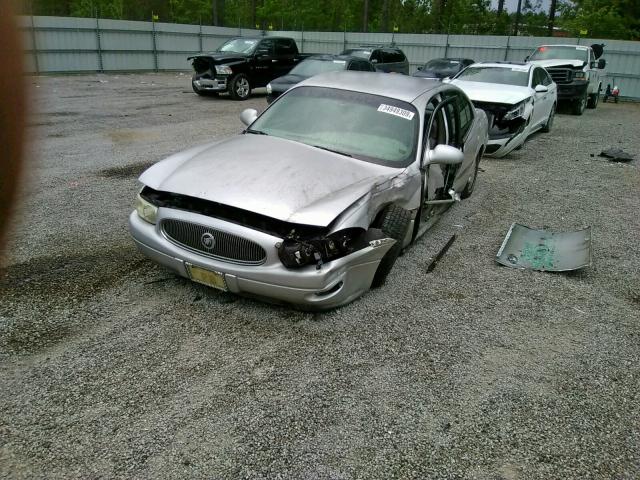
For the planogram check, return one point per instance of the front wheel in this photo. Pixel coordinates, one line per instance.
(549, 124)
(239, 87)
(394, 222)
(593, 100)
(580, 104)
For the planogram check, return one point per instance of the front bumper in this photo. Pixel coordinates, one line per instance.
(217, 84)
(573, 90)
(336, 283)
(500, 143)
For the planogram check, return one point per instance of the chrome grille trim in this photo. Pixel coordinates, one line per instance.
(560, 75)
(228, 247)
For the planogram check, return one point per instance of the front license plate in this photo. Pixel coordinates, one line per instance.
(207, 277)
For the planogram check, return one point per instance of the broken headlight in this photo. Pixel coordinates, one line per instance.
(515, 112)
(146, 210)
(223, 70)
(296, 252)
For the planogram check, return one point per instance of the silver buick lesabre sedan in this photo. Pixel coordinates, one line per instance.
(312, 204)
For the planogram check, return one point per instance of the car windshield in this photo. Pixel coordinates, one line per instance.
(547, 52)
(502, 75)
(442, 64)
(360, 53)
(360, 125)
(239, 45)
(311, 67)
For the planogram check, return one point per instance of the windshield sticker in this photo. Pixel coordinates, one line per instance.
(341, 62)
(398, 112)
(516, 69)
(581, 48)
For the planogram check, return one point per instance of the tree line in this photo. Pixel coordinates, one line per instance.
(617, 19)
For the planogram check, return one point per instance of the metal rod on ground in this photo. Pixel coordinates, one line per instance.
(440, 254)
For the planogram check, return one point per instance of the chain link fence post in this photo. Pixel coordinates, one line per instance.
(34, 46)
(155, 49)
(99, 44)
(506, 49)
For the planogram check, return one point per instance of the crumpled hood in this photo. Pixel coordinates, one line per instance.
(494, 92)
(558, 63)
(278, 178)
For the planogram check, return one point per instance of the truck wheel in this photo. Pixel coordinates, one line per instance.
(549, 124)
(471, 183)
(579, 105)
(593, 100)
(239, 87)
(394, 222)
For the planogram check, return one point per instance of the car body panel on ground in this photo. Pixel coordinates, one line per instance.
(518, 98)
(301, 209)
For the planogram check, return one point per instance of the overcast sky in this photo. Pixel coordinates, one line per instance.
(512, 5)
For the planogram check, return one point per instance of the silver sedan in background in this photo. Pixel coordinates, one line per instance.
(314, 201)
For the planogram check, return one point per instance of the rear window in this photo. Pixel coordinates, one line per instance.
(357, 52)
(504, 76)
(311, 67)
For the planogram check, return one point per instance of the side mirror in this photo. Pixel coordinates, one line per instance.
(444, 155)
(248, 116)
(541, 88)
(526, 59)
(602, 63)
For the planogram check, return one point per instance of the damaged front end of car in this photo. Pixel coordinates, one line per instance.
(507, 125)
(314, 266)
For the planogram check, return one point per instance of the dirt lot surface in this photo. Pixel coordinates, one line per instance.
(112, 367)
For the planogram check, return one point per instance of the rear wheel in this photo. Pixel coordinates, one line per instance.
(549, 124)
(239, 87)
(580, 104)
(394, 222)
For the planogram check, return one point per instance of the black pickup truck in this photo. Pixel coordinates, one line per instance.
(242, 64)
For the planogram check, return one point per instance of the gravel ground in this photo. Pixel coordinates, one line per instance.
(112, 367)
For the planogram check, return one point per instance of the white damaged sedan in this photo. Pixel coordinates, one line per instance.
(313, 202)
(518, 98)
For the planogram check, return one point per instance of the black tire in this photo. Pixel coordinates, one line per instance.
(471, 183)
(239, 87)
(579, 105)
(394, 222)
(549, 124)
(593, 100)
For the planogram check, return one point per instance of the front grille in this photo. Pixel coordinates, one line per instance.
(560, 75)
(213, 243)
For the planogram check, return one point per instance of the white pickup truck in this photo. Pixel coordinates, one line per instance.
(576, 69)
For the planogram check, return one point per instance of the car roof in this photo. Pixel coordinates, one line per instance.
(401, 87)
